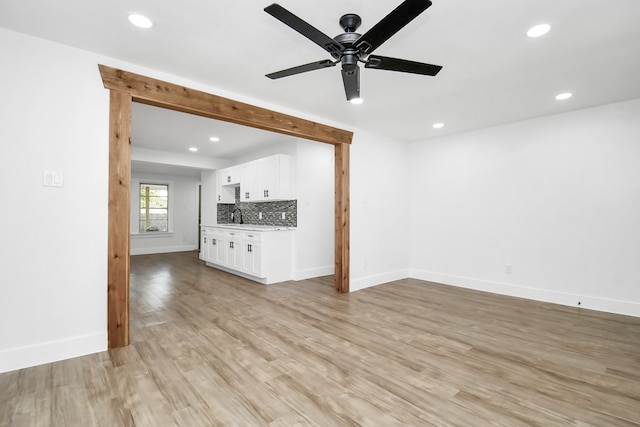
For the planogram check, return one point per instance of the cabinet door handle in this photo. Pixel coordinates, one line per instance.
(248, 248)
(218, 197)
(213, 242)
(266, 193)
(230, 245)
(246, 195)
(205, 240)
(228, 178)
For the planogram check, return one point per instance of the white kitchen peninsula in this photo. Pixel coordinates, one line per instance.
(263, 253)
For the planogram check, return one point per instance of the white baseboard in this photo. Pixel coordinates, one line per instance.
(162, 250)
(310, 273)
(608, 305)
(48, 352)
(378, 279)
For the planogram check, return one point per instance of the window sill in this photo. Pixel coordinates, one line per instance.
(151, 234)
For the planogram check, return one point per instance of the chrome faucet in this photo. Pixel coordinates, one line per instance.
(233, 215)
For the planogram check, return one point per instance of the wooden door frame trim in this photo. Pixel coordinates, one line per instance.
(126, 87)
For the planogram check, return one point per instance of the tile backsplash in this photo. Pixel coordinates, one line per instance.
(271, 212)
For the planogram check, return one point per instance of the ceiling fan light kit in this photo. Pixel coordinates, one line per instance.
(350, 48)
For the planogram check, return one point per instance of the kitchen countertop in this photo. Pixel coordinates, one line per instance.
(253, 227)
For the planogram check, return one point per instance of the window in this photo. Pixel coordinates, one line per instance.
(154, 208)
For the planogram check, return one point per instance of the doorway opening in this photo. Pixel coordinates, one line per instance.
(125, 88)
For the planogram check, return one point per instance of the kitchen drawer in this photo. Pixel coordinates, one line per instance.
(232, 234)
(207, 231)
(252, 236)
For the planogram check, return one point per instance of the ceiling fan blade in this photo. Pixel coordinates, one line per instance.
(306, 29)
(391, 24)
(402, 65)
(351, 80)
(325, 63)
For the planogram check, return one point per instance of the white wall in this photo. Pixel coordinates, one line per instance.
(314, 237)
(555, 198)
(209, 210)
(53, 288)
(183, 202)
(380, 210)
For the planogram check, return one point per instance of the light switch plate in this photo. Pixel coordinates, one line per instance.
(52, 179)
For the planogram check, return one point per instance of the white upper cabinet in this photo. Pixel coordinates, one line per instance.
(267, 179)
(249, 182)
(229, 176)
(274, 178)
(228, 180)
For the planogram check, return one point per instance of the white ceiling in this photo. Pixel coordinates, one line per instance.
(166, 130)
(174, 132)
(493, 74)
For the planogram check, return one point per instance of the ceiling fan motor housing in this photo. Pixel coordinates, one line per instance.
(347, 40)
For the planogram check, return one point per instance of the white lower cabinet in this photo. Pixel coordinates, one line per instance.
(205, 243)
(234, 250)
(220, 254)
(252, 254)
(211, 248)
(208, 245)
(263, 256)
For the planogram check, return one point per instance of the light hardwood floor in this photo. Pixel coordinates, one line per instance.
(209, 348)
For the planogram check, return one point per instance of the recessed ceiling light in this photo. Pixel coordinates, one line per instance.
(563, 96)
(356, 101)
(438, 125)
(140, 20)
(214, 139)
(539, 30)
(194, 149)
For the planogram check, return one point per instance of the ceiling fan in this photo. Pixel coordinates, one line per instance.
(349, 48)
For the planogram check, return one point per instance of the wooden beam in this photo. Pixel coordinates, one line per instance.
(168, 95)
(342, 218)
(119, 217)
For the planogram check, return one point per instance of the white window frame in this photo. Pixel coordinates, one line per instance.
(135, 207)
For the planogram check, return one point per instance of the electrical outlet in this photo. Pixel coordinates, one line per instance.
(259, 215)
(284, 215)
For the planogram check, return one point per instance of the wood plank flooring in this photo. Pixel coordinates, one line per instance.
(211, 349)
